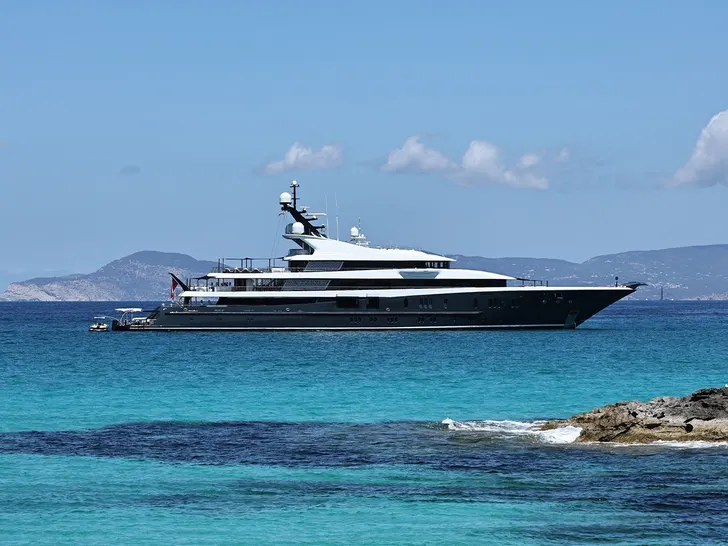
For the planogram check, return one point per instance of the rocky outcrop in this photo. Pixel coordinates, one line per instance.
(701, 416)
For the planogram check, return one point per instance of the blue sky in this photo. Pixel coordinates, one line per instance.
(562, 129)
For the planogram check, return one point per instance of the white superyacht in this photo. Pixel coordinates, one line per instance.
(327, 284)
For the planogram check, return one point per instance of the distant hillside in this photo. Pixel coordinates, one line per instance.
(142, 276)
(696, 272)
(691, 272)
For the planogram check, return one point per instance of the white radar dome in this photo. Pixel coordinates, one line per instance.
(354, 232)
(297, 228)
(285, 198)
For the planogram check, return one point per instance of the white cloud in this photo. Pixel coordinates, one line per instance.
(528, 160)
(564, 155)
(708, 165)
(414, 156)
(299, 157)
(480, 164)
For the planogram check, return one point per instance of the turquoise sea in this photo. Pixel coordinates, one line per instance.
(338, 438)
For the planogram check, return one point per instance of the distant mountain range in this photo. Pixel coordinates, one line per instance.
(142, 276)
(684, 273)
(694, 272)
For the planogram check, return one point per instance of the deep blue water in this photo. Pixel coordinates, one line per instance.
(330, 438)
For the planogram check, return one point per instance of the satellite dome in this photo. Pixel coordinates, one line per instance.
(285, 198)
(354, 232)
(297, 228)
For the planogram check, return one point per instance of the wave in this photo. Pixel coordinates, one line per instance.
(561, 435)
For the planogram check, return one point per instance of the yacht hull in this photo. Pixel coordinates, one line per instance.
(527, 308)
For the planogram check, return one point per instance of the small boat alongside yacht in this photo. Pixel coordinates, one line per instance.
(99, 326)
(123, 322)
(127, 320)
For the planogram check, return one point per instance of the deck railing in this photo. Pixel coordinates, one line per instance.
(248, 265)
(532, 282)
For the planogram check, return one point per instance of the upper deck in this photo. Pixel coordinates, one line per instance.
(319, 260)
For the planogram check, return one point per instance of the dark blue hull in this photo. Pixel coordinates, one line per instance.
(507, 309)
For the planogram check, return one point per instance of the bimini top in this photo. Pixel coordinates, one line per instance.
(318, 247)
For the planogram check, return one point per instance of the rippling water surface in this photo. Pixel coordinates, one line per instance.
(369, 437)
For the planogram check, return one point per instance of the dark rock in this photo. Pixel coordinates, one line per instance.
(702, 415)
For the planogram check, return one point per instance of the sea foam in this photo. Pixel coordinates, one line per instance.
(561, 435)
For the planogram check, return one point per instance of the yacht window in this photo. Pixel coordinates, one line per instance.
(347, 303)
(406, 303)
(475, 303)
(373, 303)
(444, 303)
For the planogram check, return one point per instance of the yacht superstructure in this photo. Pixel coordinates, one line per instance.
(327, 284)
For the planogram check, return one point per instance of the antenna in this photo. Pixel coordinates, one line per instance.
(326, 201)
(294, 185)
(337, 216)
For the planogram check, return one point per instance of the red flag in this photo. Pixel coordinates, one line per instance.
(175, 284)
